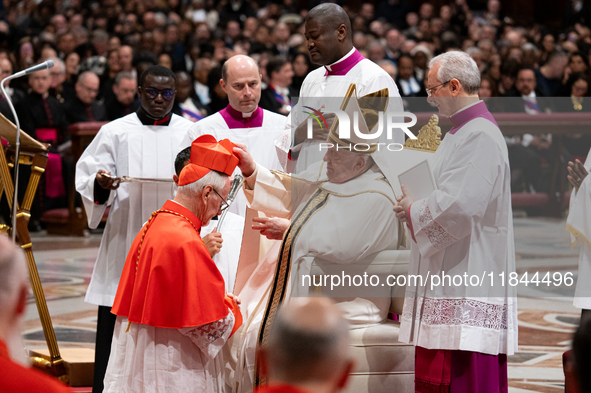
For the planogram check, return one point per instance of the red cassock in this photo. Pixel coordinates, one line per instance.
(169, 279)
(15, 378)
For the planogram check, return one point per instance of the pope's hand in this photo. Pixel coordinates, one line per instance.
(213, 242)
(106, 182)
(403, 202)
(273, 228)
(246, 163)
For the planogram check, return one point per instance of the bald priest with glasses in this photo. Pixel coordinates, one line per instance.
(143, 144)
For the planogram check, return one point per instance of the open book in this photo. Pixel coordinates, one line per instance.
(409, 166)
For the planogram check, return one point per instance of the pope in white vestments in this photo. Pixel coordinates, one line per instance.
(339, 211)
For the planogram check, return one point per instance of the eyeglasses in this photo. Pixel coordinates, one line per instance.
(224, 204)
(152, 92)
(89, 89)
(429, 90)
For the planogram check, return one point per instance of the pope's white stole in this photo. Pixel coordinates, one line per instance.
(282, 272)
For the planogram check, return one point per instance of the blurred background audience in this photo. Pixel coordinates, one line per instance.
(525, 52)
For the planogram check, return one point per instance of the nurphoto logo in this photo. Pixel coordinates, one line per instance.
(362, 139)
(315, 114)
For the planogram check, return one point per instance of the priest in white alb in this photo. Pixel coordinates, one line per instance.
(330, 44)
(140, 145)
(578, 224)
(464, 331)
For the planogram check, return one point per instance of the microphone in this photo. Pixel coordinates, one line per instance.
(41, 66)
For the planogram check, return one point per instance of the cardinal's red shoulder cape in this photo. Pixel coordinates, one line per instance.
(169, 279)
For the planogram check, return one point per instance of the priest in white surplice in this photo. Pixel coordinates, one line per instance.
(143, 144)
(329, 40)
(463, 333)
(578, 224)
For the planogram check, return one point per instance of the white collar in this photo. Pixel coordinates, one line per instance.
(328, 67)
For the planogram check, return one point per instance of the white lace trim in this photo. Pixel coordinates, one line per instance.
(435, 232)
(465, 312)
(211, 337)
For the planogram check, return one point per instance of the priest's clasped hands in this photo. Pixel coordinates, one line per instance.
(234, 297)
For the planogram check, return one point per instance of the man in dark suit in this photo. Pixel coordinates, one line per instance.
(407, 83)
(187, 103)
(277, 97)
(123, 102)
(40, 110)
(84, 107)
(527, 98)
(527, 151)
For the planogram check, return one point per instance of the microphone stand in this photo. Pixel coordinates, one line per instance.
(41, 66)
(55, 364)
(17, 152)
